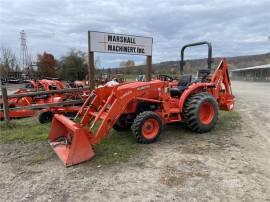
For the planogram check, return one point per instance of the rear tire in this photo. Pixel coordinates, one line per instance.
(147, 127)
(201, 112)
(45, 117)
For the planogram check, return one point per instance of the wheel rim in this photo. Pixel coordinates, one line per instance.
(206, 113)
(150, 128)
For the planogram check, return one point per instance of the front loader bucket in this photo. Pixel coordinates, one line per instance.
(70, 141)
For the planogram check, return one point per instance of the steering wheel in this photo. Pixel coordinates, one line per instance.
(164, 77)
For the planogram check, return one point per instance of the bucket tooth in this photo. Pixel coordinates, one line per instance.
(70, 141)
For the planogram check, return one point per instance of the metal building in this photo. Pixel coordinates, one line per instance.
(257, 73)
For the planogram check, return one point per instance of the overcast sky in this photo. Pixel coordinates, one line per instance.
(236, 27)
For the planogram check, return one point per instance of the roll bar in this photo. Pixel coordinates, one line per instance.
(209, 61)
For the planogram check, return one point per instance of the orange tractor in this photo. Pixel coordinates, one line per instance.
(144, 107)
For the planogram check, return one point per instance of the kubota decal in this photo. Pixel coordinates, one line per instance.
(143, 87)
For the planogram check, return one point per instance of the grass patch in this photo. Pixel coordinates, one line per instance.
(115, 148)
(25, 130)
(228, 120)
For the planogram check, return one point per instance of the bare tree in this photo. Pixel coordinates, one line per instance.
(126, 65)
(8, 61)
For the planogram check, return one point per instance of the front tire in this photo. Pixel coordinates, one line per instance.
(147, 127)
(45, 117)
(201, 112)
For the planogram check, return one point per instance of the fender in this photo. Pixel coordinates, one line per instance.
(195, 87)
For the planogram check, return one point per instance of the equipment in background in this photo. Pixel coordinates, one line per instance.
(42, 85)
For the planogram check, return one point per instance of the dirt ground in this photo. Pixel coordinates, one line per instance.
(232, 165)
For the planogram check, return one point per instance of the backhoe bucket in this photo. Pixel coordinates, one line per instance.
(70, 141)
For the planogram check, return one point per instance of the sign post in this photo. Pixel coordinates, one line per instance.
(149, 68)
(5, 104)
(120, 44)
(91, 65)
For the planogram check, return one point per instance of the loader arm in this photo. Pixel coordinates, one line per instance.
(116, 104)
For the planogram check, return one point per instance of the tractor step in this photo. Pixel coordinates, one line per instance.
(70, 141)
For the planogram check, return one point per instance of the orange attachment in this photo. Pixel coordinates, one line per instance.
(226, 102)
(70, 141)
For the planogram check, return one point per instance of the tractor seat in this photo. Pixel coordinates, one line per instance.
(203, 74)
(184, 82)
